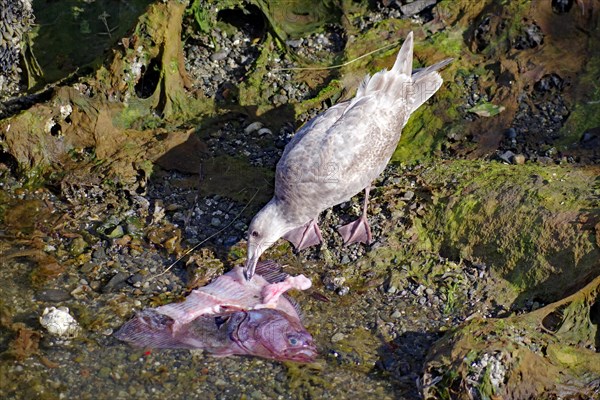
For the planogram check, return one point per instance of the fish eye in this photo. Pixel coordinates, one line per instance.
(293, 341)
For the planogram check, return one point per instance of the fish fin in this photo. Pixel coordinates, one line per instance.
(403, 64)
(296, 306)
(150, 329)
(271, 271)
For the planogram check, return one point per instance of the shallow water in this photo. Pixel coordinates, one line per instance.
(372, 340)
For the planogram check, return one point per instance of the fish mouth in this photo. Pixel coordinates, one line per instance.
(306, 354)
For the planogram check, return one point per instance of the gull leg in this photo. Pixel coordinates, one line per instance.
(358, 231)
(305, 236)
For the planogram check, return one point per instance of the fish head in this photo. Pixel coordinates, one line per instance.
(265, 229)
(273, 334)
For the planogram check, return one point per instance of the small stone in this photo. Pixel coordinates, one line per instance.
(78, 246)
(264, 131)
(117, 282)
(219, 55)
(294, 43)
(416, 7)
(519, 159)
(344, 290)
(511, 133)
(408, 195)
(337, 337)
(215, 222)
(99, 254)
(253, 127)
(135, 279)
(507, 156)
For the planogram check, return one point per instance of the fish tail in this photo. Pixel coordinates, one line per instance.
(149, 329)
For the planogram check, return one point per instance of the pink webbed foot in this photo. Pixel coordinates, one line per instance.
(304, 236)
(356, 232)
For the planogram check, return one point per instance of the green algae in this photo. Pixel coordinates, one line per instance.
(525, 221)
(586, 111)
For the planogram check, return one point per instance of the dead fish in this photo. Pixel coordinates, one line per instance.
(230, 316)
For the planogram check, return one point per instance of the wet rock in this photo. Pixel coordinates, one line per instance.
(99, 254)
(591, 138)
(135, 280)
(294, 43)
(53, 295)
(510, 133)
(416, 7)
(531, 37)
(116, 283)
(78, 246)
(507, 156)
(408, 195)
(561, 6)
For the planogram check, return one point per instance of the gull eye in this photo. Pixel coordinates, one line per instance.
(254, 234)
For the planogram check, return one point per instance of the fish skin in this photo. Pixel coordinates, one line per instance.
(230, 316)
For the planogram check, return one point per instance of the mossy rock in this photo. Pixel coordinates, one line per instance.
(535, 225)
(547, 353)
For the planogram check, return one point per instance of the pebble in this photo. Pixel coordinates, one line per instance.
(117, 282)
(253, 127)
(519, 159)
(337, 337)
(507, 156)
(219, 55)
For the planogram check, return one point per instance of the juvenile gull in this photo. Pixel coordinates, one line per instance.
(339, 153)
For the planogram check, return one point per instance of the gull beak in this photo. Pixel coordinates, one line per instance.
(250, 266)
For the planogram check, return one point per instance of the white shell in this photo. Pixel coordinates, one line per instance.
(59, 322)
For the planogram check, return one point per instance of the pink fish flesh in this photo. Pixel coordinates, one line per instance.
(230, 316)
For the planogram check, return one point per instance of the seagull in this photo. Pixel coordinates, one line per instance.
(339, 153)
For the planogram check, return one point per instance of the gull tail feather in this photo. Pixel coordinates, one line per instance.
(426, 82)
(403, 64)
